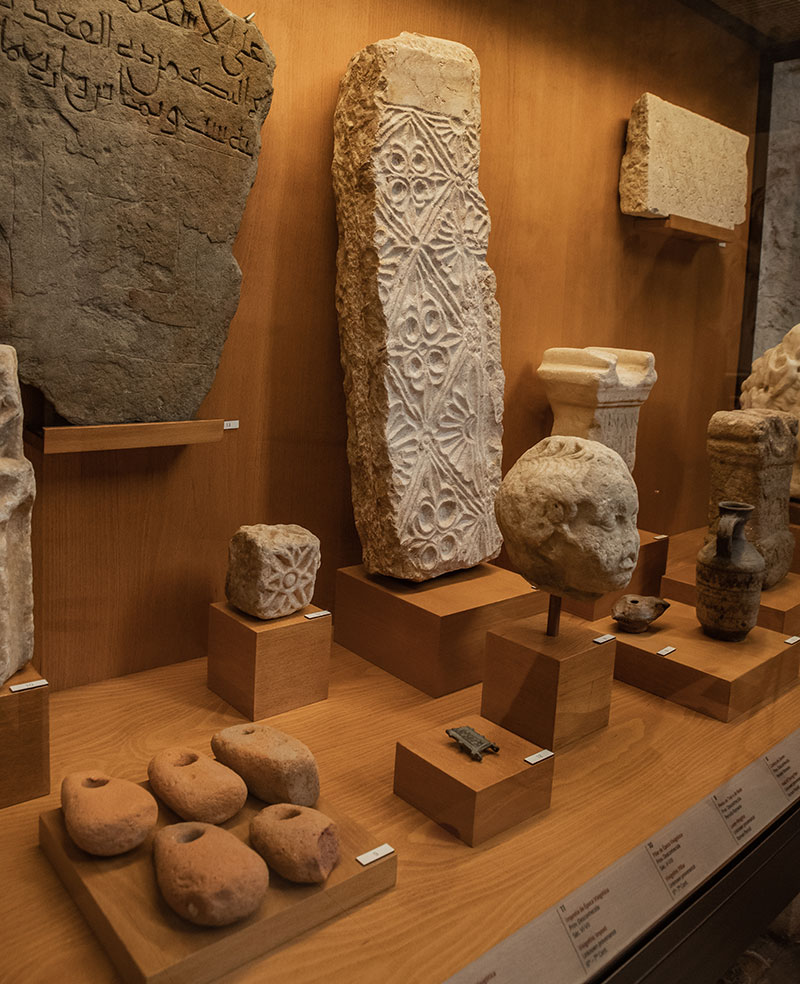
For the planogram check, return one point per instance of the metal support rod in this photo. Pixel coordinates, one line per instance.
(553, 615)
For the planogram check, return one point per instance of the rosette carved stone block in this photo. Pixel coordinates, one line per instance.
(774, 382)
(131, 136)
(596, 394)
(679, 163)
(419, 324)
(751, 453)
(17, 492)
(272, 570)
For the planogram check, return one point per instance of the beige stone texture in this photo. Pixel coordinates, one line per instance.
(774, 383)
(195, 786)
(207, 875)
(418, 320)
(679, 163)
(131, 136)
(596, 393)
(276, 767)
(298, 843)
(567, 510)
(272, 570)
(106, 816)
(751, 453)
(17, 492)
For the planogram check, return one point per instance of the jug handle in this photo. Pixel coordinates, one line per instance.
(725, 530)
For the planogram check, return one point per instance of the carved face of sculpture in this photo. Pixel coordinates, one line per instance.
(567, 511)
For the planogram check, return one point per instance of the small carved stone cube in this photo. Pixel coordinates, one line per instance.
(271, 570)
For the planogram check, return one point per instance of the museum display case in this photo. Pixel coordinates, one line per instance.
(416, 589)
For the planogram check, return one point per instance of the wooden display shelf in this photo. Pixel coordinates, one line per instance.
(780, 605)
(149, 944)
(431, 634)
(682, 228)
(473, 800)
(721, 679)
(266, 667)
(646, 579)
(119, 437)
(24, 738)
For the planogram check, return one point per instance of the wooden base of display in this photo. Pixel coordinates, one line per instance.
(780, 606)
(551, 691)
(431, 634)
(473, 800)
(149, 944)
(646, 580)
(24, 739)
(682, 228)
(266, 667)
(720, 679)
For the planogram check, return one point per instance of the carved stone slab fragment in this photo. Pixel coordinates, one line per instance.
(419, 324)
(680, 163)
(131, 135)
(596, 393)
(17, 491)
(774, 382)
(751, 453)
(272, 570)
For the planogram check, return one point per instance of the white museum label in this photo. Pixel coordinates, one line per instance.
(318, 614)
(604, 638)
(666, 651)
(660, 536)
(780, 765)
(375, 854)
(545, 753)
(792, 640)
(15, 688)
(230, 425)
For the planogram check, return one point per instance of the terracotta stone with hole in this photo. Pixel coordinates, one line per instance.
(195, 786)
(276, 767)
(300, 844)
(106, 816)
(207, 875)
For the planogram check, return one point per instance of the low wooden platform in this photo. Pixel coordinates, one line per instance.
(150, 944)
(24, 737)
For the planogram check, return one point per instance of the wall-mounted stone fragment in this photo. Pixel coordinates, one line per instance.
(207, 875)
(272, 569)
(300, 844)
(679, 163)
(17, 492)
(596, 393)
(106, 816)
(131, 135)
(195, 786)
(419, 325)
(276, 767)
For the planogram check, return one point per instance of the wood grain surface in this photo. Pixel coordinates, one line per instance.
(611, 792)
(131, 546)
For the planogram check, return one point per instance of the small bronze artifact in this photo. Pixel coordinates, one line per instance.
(469, 741)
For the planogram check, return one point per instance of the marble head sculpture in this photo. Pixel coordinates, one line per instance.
(567, 511)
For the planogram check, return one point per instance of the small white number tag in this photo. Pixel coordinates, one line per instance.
(659, 536)
(15, 688)
(230, 425)
(604, 638)
(792, 640)
(318, 614)
(375, 854)
(666, 651)
(545, 753)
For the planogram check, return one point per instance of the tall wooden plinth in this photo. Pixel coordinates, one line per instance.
(720, 679)
(24, 739)
(266, 667)
(473, 800)
(646, 580)
(431, 634)
(780, 605)
(551, 691)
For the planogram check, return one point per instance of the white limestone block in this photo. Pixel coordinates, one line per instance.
(680, 163)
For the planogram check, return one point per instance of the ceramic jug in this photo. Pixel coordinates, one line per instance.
(730, 572)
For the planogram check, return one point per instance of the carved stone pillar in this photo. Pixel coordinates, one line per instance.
(596, 393)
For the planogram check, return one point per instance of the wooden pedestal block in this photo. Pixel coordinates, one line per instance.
(473, 800)
(432, 634)
(646, 580)
(720, 679)
(551, 691)
(24, 739)
(263, 668)
(780, 606)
